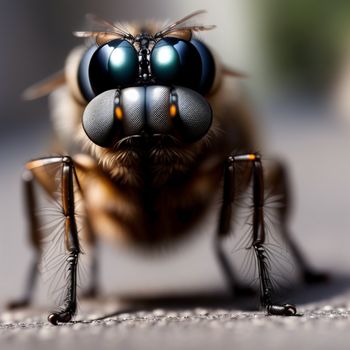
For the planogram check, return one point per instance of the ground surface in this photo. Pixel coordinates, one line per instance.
(322, 326)
(317, 153)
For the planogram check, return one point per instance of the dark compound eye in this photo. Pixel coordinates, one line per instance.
(99, 120)
(208, 67)
(176, 61)
(83, 74)
(113, 65)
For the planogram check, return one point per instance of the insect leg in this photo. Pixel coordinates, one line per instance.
(35, 240)
(258, 228)
(225, 227)
(259, 240)
(67, 310)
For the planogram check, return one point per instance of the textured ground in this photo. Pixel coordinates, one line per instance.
(321, 326)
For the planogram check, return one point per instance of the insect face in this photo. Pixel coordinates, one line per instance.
(146, 87)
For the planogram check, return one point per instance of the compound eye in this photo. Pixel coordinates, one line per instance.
(193, 116)
(113, 65)
(83, 74)
(98, 119)
(208, 67)
(176, 61)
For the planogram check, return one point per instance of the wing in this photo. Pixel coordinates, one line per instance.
(105, 30)
(184, 25)
(45, 86)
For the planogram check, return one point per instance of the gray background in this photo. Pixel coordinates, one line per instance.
(311, 138)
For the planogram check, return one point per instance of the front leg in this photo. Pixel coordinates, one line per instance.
(68, 180)
(68, 308)
(258, 231)
(259, 240)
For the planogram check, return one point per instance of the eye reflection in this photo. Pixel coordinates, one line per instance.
(118, 57)
(165, 55)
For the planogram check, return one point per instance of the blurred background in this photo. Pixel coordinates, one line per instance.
(297, 56)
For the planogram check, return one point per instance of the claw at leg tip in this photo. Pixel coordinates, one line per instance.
(282, 310)
(52, 318)
(290, 310)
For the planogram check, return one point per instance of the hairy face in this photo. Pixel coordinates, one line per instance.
(156, 159)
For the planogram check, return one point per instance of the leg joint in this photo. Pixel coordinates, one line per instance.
(67, 160)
